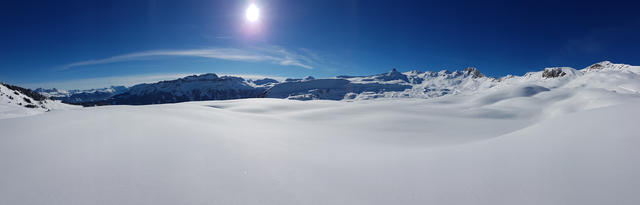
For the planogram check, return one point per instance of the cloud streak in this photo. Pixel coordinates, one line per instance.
(276, 55)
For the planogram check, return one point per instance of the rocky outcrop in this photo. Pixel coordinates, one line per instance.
(553, 73)
(473, 72)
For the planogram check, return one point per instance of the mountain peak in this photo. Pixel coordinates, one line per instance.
(598, 66)
(553, 73)
(393, 75)
(207, 76)
(473, 72)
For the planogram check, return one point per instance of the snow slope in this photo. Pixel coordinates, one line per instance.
(274, 151)
(567, 138)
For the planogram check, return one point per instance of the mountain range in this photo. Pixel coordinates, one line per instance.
(393, 84)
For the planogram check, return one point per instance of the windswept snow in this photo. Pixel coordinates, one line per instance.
(559, 139)
(273, 151)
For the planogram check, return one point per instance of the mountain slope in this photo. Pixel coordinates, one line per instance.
(191, 88)
(323, 152)
(17, 101)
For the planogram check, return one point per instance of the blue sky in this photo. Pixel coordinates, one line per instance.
(81, 44)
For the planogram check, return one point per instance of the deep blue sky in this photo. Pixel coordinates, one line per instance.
(79, 41)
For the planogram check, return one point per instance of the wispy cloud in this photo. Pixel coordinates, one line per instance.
(272, 54)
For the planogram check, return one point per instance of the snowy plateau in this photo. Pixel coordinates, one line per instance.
(557, 136)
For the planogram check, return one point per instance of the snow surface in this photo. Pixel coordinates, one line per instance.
(514, 140)
(274, 151)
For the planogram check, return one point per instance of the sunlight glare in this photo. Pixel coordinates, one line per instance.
(253, 13)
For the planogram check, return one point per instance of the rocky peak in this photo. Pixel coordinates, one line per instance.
(553, 73)
(393, 75)
(208, 76)
(444, 72)
(471, 71)
(598, 66)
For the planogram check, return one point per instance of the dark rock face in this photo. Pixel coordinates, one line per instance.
(553, 73)
(599, 65)
(393, 75)
(264, 81)
(595, 67)
(471, 71)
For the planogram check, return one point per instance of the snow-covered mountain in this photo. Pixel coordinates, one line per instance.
(394, 84)
(81, 96)
(415, 84)
(192, 88)
(17, 101)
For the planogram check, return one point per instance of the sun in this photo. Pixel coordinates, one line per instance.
(253, 13)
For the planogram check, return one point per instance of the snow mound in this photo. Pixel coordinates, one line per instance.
(522, 91)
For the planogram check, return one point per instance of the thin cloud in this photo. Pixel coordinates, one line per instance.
(275, 55)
